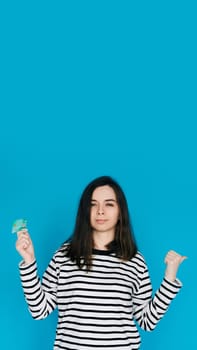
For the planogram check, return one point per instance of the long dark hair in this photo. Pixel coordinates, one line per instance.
(81, 242)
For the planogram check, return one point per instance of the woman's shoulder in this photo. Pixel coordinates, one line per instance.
(64, 247)
(61, 253)
(139, 260)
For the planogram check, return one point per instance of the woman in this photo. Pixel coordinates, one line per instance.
(98, 279)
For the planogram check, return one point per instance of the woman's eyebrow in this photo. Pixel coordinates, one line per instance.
(106, 200)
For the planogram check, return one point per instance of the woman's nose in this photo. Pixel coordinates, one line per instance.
(100, 210)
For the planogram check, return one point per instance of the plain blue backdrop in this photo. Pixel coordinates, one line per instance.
(92, 88)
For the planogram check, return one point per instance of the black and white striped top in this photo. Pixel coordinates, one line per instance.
(97, 309)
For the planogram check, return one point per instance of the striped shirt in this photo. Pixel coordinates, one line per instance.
(98, 309)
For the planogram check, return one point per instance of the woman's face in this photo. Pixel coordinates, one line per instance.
(104, 213)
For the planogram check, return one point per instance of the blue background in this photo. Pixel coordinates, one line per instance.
(92, 88)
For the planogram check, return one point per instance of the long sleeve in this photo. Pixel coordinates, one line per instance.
(148, 309)
(40, 296)
(98, 308)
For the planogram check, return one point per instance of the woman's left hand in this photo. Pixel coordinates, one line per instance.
(173, 261)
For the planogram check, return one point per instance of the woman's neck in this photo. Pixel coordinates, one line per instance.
(102, 239)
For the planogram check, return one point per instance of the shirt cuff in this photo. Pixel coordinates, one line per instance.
(24, 266)
(175, 285)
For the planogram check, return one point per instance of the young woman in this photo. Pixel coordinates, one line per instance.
(98, 279)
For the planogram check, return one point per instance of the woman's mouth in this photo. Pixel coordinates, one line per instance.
(100, 221)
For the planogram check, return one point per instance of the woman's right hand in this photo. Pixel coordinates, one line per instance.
(24, 246)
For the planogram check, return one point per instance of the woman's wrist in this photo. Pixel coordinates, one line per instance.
(28, 261)
(170, 277)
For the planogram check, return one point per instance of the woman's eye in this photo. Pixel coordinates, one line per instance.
(92, 204)
(110, 204)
